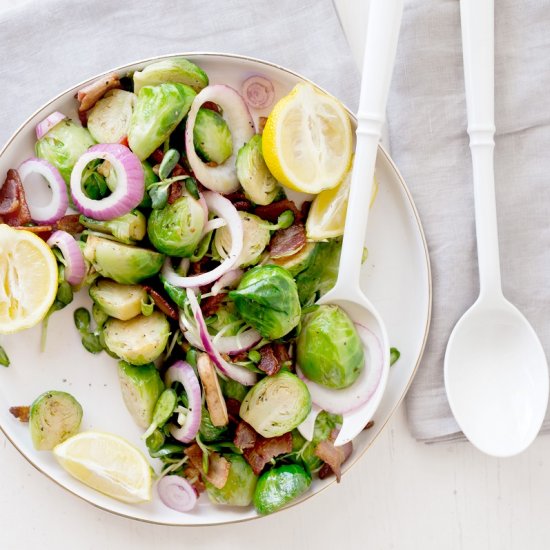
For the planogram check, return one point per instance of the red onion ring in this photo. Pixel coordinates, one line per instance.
(258, 92)
(224, 209)
(221, 178)
(59, 201)
(228, 280)
(360, 392)
(130, 185)
(235, 372)
(183, 372)
(44, 126)
(75, 268)
(177, 493)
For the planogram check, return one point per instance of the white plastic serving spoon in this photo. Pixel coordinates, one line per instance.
(496, 374)
(381, 44)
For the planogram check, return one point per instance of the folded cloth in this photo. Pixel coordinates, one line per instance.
(427, 126)
(48, 46)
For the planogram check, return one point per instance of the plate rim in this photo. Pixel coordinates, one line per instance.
(387, 158)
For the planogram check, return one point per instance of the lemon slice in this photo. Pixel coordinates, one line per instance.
(28, 279)
(108, 464)
(307, 140)
(327, 215)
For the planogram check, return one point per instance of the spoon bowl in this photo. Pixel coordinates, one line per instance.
(496, 377)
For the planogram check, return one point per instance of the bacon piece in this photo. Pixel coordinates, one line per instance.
(289, 241)
(212, 106)
(268, 362)
(233, 409)
(194, 477)
(271, 212)
(218, 467)
(179, 170)
(239, 201)
(92, 93)
(157, 155)
(304, 210)
(13, 190)
(265, 449)
(124, 141)
(175, 192)
(281, 352)
(162, 303)
(332, 456)
(70, 223)
(210, 305)
(261, 124)
(369, 425)
(245, 436)
(21, 413)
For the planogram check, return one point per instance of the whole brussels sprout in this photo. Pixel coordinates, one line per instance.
(177, 228)
(276, 404)
(63, 145)
(123, 263)
(279, 486)
(159, 109)
(109, 118)
(141, 386)
(259, 185)
(53, 417)
(329, 350)
(256, 237)
(211, 137)
(239, 487)
(138, 341)
(267, 299)
(175, 69)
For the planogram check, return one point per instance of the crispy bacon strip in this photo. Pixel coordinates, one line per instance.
(233, 408)
(162, 303)
(70, 223)
(218, 469)
(10, 193)
(210, 305)
(239, 201)
(268, 362)
(289, 241)
(92, 93)
(194, 477)
(271, 212)
(21, 413)
(245, 436)
(281, 352)
(265, 449)
(9, 202)
(332, 456)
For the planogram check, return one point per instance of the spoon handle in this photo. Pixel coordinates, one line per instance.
(477, 22)
(381, 44)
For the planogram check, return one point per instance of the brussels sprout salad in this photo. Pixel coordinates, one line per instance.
(169, 207)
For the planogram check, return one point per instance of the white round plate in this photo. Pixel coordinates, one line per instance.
(396, 277)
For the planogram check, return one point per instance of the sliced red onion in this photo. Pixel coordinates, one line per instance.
(183, 372)
(177, 493)
(307, 427)
(44, 126)
(212, 225)
(348, 399)
(237, 373)
(228, 280)
(224, 209)
(129, 188)
(75, 268)
(221, 178)
(57, 207)
(258, 92)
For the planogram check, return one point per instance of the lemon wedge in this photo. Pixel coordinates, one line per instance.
(327, 215)
(307, 141)
(28, 279)
(108, 464)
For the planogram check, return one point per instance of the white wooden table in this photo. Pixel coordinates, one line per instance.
(402, 494)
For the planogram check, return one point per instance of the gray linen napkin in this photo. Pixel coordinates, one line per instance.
(427, 119)
(47, 46)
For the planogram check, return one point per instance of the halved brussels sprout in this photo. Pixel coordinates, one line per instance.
(63, 145)
(141, 386)
(127, 229)
(279, 486)
(276, 404)
(54, 416)
(329, 350)
(256, 237)
(121, 262)
(239, 487)
(176, 69)
(259, 185)
(177, 228)
(120, 301)
(297, 262)
(212, 137)
(159, 109)
(267, 299)
(109, 118)
(139, 340)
